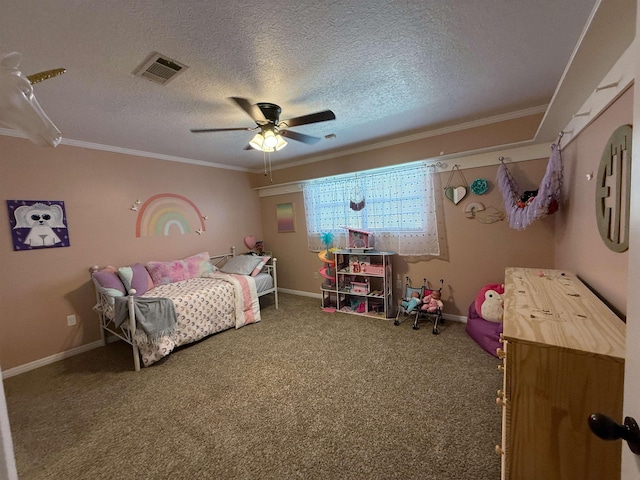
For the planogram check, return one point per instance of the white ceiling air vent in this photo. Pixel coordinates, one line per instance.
(159, 68)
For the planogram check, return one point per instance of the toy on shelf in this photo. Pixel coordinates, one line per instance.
(327, 270)
(326, 256)
(359, 240)
(360, 287)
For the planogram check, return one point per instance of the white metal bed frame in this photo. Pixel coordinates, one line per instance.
(127, 331)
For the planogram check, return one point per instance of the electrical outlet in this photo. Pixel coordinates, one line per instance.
(315, 275)
(71, 320)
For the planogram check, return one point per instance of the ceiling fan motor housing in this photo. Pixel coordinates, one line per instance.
(271, 111)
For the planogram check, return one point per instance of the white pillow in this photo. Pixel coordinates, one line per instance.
(241, 265)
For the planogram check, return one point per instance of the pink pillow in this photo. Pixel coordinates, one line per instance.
(259, 267)
(199, 264)
(163, 273)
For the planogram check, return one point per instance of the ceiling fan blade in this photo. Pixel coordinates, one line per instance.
(204, 130)
(300, 137)
(311, 118)
(252, 110)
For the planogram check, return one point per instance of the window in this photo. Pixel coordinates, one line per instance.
(396, 204)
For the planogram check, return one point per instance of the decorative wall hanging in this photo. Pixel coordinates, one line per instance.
(356, 197)
(285, 218)
(472, 208)
(490, 215)
(523, 208)
(456, 194)
(613, 190)
(169, 214)
(479, 186)
(477, 211)
(38, 224)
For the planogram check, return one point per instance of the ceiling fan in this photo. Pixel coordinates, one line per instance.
(272, 130)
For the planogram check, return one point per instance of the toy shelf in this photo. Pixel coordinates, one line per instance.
(363, 284)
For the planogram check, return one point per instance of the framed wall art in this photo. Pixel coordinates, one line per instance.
(285, 218)
(38, 224)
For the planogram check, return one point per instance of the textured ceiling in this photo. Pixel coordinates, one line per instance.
(387, 69)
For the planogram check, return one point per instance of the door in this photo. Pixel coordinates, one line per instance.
(7, 460)
(631, 462)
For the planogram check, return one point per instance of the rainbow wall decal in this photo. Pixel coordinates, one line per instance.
(168, 214)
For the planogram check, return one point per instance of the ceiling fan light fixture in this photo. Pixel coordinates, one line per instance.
(281, 142)
(270, 140)
(257, 142)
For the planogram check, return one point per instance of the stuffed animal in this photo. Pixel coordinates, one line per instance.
(412, 302)
(489, 303)
(431, 303)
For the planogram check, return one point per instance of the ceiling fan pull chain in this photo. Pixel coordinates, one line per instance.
(265, 156)
(264, 160)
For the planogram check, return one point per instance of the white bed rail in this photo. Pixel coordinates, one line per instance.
(105, 307)
(271, 267)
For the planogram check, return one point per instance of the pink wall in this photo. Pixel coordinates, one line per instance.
(41, 287)
(513, 131)
(579, 247)
(478, 252)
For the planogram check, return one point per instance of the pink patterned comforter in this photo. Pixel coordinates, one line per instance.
(203, 306)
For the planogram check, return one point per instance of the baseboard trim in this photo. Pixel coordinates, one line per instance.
(454, 318)
(112, 338)
(300, 293)
(446, 316)
(50, 359)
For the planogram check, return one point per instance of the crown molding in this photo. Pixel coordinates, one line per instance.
(512, 153)
(314, 159)
(127, 151)
(416, 136)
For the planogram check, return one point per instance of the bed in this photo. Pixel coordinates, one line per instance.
(159, 306)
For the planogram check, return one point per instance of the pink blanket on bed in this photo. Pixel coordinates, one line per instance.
(247, 303)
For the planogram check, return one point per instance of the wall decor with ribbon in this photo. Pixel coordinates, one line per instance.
(456, 193)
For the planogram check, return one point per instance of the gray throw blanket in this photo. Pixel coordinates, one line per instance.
(155, 316)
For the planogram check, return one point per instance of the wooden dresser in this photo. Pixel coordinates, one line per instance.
(563, 359)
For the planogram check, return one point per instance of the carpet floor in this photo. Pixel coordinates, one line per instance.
(303, 394)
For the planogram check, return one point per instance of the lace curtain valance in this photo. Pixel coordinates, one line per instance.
(396, 204)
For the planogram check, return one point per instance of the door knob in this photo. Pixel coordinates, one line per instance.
(607, 429)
